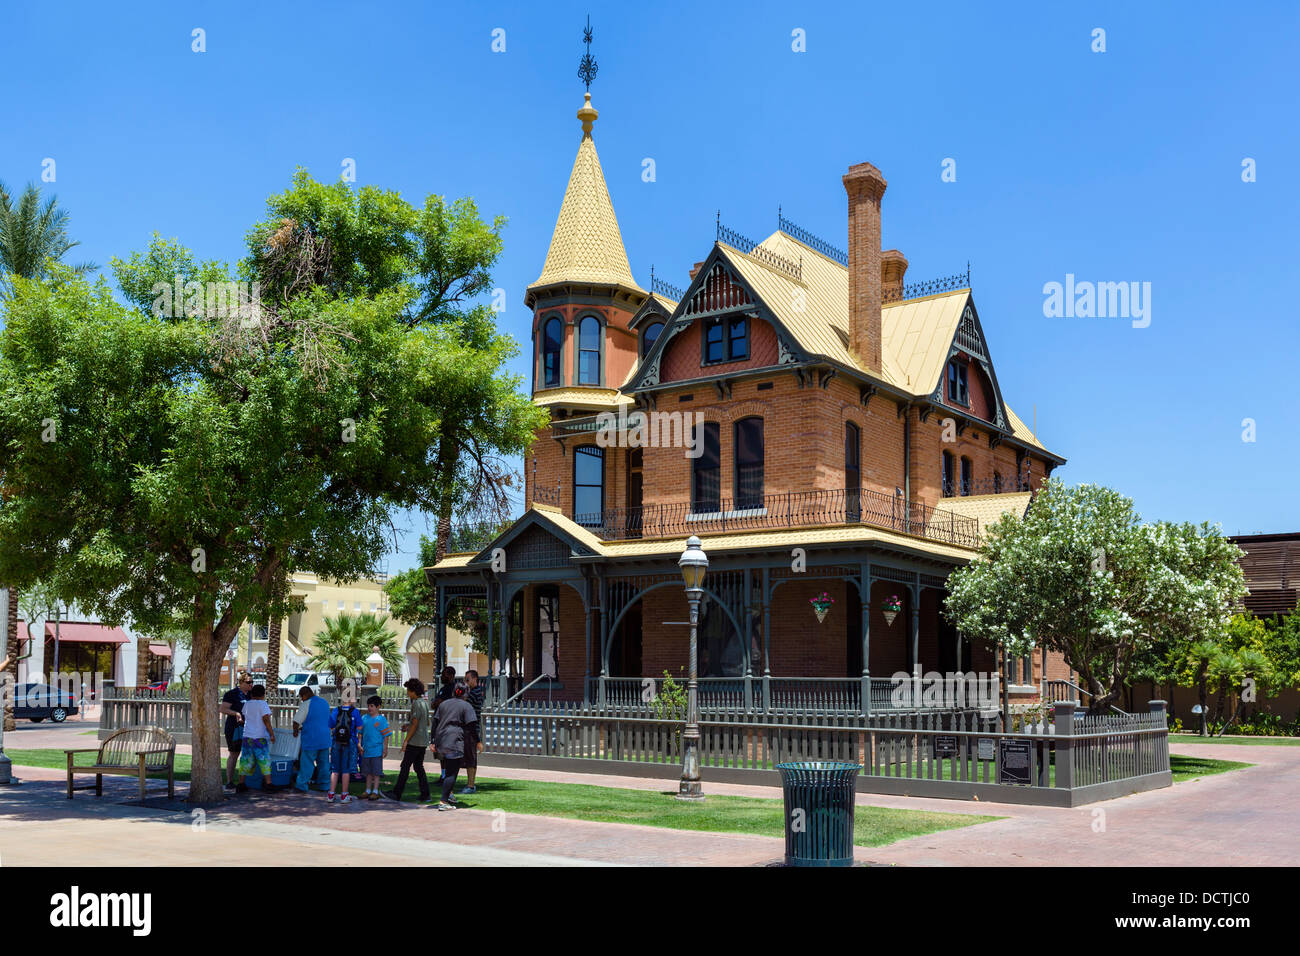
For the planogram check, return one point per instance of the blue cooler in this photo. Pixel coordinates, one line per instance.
(284, 760)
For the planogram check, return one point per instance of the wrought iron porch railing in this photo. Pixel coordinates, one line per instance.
(825, 506)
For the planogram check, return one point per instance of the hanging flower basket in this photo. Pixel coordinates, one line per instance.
(891, 609)
(822, 605)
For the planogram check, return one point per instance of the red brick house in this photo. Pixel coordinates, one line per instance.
(820, 424)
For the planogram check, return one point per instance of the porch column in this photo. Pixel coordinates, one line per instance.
(604, 643)
(586, 671)
(864, 705)
(767, 641)
(505, 637)
(747, 639)
(915, 590)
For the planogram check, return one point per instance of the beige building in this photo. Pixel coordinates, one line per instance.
(330, 599)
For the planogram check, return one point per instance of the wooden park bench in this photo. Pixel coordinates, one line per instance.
(130, 752)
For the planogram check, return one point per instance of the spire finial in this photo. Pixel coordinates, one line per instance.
(587, 65)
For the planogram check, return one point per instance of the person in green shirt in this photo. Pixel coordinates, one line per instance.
(417, 741)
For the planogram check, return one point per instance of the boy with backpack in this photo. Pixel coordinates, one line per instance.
(345, 730)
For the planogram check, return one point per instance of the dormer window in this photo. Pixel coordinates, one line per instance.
(957, 387)
(552, 344)
(649, 336)
(726, 340)
(589, 351)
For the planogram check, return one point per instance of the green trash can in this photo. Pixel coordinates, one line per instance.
(818, 812)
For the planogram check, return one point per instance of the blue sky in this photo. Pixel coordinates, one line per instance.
(1117, 166)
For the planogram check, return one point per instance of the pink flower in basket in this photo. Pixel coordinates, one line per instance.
(889, 610)
(822, 605)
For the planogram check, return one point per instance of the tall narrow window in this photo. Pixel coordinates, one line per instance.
(737, 338)
(965, 476)
(852, 472)
(649, 336)
(749, 463)
(949, 475)
(589, 351)
(714, 346)
(588, 485)
(552, 345)
(706, 469)
(957, 384)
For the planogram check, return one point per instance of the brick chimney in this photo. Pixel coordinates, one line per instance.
(893, 267)
(865, 187)
(695, 269)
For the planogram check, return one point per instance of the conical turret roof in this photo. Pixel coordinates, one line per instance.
(586, 246)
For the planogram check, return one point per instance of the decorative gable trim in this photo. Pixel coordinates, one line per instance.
(716, 290)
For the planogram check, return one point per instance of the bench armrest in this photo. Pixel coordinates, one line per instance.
(84, 750)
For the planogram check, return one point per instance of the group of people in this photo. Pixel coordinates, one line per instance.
(336, 743)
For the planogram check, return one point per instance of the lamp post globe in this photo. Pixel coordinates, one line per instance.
(693, 563)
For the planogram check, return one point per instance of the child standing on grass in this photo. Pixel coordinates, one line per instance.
(374, 746)
(345, 729)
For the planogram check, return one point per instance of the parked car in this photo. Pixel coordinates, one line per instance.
(35, 702)
(313, 679)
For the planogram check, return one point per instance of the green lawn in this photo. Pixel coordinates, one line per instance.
(1185, 768)
(874, 826)
(1239, 741)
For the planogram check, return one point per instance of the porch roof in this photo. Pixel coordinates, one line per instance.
(854, 534)
(987, 509)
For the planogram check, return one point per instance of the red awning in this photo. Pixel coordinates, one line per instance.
(160, 650)
(82, 633)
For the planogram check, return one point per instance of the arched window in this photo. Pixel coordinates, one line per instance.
(706, 469)
(589, 351)
(589, 485)
(552, 345)
(966, 475)
(949, 475)
(852, 472)
(649, 336)
(749, 463)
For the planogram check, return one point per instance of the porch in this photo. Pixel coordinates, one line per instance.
(564, 616)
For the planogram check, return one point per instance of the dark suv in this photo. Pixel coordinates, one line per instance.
(35, 702)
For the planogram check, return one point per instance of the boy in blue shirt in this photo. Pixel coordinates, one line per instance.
(374, 746)
(345, 731)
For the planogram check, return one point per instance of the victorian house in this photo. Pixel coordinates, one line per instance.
(835, 436)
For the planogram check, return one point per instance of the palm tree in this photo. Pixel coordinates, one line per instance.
(32, 233)
(345, 643)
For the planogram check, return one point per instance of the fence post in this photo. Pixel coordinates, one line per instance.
(1157, 707)
(1064, 745)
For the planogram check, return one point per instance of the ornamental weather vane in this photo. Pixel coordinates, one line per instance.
(587, 66)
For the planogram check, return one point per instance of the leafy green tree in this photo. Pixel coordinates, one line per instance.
(175, 470)
(32, 235)
(345, 643)
(1081, 576)
(1233, 664)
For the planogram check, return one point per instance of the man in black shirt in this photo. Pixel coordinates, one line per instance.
(232, 705)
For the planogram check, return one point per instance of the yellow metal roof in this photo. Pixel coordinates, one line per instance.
(800, 537)
(586, 245)
(915, 334)
(986, 509)
(590, 397)
(1020, 430)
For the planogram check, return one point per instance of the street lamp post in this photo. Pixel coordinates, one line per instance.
(694, 562)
